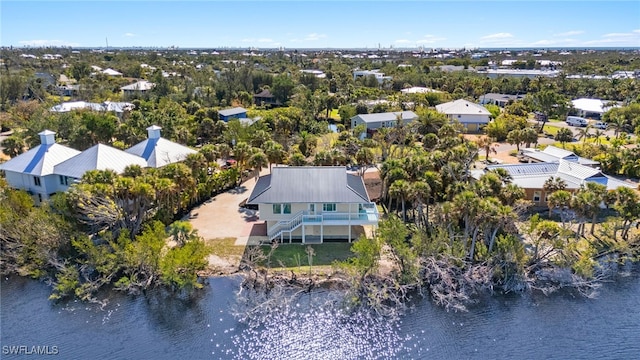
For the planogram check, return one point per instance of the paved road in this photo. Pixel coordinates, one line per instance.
(576, 130)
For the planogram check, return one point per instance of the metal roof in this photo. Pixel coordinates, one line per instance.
(141, 85)
(98, 157)
(79, 105)
(232, 111)
(387, 116)
(555, 154)
(159, 152)
(462, 107)
(309, 184)
(591, 105)
(40, 160)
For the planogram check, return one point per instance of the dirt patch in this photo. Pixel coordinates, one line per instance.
(373, 183)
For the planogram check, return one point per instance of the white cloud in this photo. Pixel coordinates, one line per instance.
(129, 34)
(631, 38)
(403, 41)
(314, 37)
(555, 42)
(497, 36)
(42, 43)
(569, 33)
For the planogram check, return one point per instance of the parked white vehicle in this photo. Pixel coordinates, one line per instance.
(600, 125)
(577, 121)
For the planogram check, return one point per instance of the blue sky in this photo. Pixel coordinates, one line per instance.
(321, 24)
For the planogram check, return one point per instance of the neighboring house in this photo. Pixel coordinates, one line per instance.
(116, 107)
(418, 90)
(312, 203)
(531, 177)
(236, 112)
(50, 167)
(68, 90)
(97, 157)
(471, 115)
(265, 98)
(375, 73)
(317, 73)
(139, 87)
(499, 99)
(158, 151)
(552, 154)
(32, 171)
(592, 108)
(382, 120)
(111, 72)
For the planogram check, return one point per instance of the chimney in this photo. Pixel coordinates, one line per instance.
(153, 131)
(47, 137)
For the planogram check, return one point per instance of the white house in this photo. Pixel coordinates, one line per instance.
(139, 87)
(593, 108)
(471, 115)
(33, 172)
(111, 72)
(50, 167)
(312, 203)
(97, 157)
(419, 90)
(158, 151)
(382, 120)
(375, 73)
(117, 107)
(500, 99)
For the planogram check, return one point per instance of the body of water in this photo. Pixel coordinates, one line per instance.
(315, 326)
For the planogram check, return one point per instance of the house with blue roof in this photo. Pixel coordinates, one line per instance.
(236, 112)
(312, 203)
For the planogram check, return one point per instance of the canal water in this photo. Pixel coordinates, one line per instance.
(315, 326)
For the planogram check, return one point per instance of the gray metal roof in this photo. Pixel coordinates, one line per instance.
(98, 157)
(159, 152)
(232, 111)
(40, 160)
(462, 107)
(309, 184)
(387, 116)
(554, 154)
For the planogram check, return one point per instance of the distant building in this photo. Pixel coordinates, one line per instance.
(375, 73)
(236, 112)
(317, 73)
(552, 154)
(139, 87)
(109, 106)
(265, 98)
(500, 99)
(419, 90)
(592, 108)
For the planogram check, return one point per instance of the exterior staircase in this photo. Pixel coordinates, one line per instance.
(285, 226)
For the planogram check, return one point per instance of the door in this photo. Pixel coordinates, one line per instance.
(312, 209)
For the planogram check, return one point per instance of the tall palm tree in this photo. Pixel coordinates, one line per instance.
(487, 145)
(257, 161)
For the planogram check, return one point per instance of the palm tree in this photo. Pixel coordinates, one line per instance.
(564, 135)
(402, 190)
(487, 145)
(583, 133)
(559, 199)
(257, 161)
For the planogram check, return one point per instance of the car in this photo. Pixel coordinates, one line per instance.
(600, 125)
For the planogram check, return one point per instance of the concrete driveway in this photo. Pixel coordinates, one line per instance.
(222, 217)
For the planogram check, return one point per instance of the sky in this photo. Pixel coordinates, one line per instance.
(321, 24)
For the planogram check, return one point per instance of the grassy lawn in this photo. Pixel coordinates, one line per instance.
(225, 247)
(294, 255)
(334, 114)
(550, 129)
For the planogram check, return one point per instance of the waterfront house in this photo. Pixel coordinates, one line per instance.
(472, 116)
(312, 203)
(532, 177)
(97, 157)
(158, 151)
(33, 172)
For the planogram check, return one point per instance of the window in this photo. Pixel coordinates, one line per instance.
(536, 196)
(36, 180)
(282, 208)
(312, 207)
(328, 207)
(64, 180)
